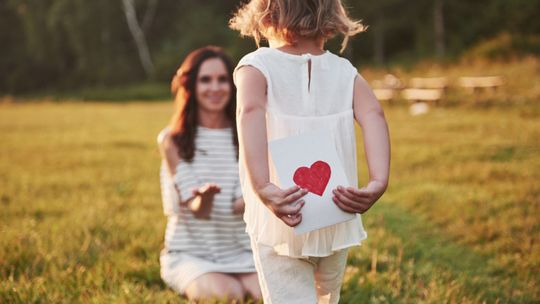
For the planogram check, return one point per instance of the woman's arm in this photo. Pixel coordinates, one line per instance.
(168, 151)
(369, 114)
(200, 203)
(251, 120)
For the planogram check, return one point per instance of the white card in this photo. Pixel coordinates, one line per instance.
(308, 160)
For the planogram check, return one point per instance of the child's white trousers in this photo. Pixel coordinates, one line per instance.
(286, 280)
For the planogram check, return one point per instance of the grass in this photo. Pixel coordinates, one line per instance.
(81, 218)
(460, 221)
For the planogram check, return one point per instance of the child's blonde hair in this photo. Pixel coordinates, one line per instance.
(287, 20)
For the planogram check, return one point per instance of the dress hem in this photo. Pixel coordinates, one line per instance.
(363, 236)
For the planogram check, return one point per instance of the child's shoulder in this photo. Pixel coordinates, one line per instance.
(338, 59)
(339, 65)
(265, 59)
(266, 53)
(260, 59)
(258, 54)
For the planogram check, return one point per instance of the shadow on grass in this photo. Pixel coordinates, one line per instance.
(429, 257)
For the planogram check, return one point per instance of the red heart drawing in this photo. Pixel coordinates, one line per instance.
(314, 178)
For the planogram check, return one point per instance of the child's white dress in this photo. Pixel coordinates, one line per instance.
(300, 102)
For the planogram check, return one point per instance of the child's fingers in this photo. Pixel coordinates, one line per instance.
(348, 194)
(362, 200)
(342, 206)
(355, 206)
(290, 190)
(349, 202)
(292, 220)
(291, 209)
(294, 196)
(360, 192)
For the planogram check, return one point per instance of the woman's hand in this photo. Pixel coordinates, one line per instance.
(201, 204)
(282, 202)
(239, 206)
(354, 200)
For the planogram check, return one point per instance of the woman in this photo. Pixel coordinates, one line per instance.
(207, 252)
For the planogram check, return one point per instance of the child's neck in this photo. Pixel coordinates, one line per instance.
(302, 46)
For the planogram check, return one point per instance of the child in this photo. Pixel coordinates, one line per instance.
(289, 88)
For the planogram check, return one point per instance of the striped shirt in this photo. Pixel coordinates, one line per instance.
(221, 238)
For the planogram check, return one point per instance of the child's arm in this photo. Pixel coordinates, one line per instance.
(251, 120)
(200, 203)
(369, 114)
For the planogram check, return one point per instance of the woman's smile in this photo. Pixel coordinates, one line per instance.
(213, 87)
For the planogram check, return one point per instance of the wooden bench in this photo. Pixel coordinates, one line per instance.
(438, 83)
(385, 88)
(423, 89)
(417, 95)
(384, 94)
(475, 84)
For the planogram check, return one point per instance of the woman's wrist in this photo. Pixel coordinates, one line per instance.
(199, 208)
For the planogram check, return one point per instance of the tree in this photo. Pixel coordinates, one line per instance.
(438, 26)
(139, 37)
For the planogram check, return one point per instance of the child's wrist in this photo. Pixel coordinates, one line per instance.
(259, 187)
(382, 183)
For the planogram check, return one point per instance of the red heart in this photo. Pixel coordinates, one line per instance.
(314, 178)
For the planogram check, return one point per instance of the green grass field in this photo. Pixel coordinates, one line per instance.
(81, 218)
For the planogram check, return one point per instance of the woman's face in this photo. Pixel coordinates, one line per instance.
(213, 89)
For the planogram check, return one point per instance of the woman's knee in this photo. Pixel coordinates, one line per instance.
(250, 283)
(231, 287)
(215, 285)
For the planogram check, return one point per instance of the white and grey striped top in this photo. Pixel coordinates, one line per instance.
(222, 237)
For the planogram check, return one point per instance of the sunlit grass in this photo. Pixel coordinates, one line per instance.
(462, 206)
(81, 217)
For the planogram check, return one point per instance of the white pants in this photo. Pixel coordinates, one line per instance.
(286, 280)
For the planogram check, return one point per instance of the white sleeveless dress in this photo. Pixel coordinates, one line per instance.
(298, 102)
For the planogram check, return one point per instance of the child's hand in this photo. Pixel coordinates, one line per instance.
(355, 200)
(201, 205)
(282, 202)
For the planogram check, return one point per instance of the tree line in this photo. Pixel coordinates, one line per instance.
(60, 44)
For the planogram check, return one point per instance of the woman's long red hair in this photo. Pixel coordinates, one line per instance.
(185, 119)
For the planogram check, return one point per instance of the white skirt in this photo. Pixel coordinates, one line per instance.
(179, 269)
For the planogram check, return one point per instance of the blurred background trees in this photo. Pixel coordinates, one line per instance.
(65, 44)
